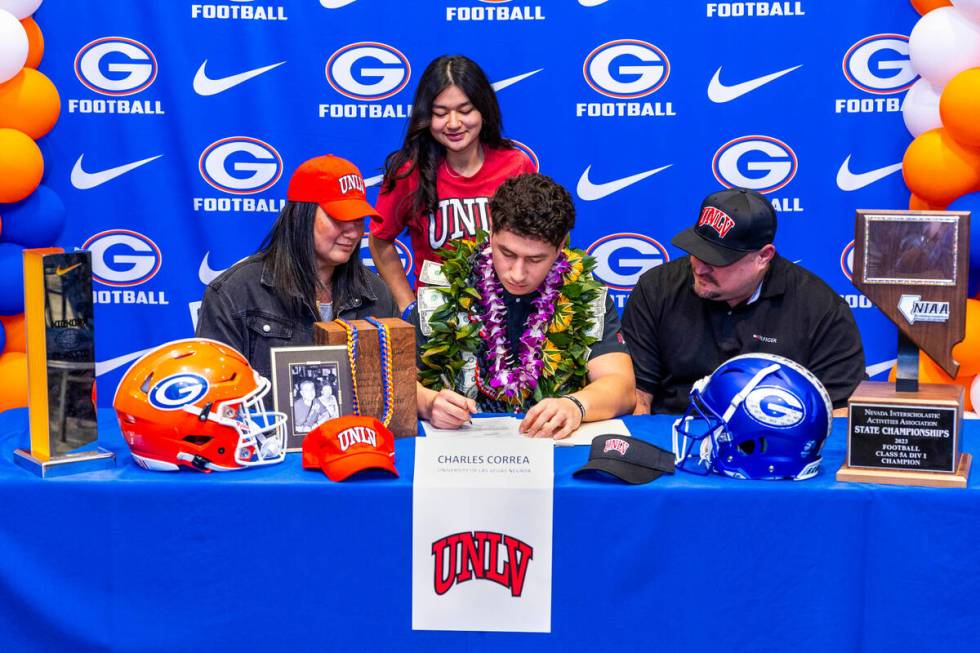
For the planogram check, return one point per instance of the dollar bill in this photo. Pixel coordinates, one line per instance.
(431, 274)
(598, 308)
(430, 299)
(425, 322)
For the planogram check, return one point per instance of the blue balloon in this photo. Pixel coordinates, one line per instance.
(36, 221)
(11, 279)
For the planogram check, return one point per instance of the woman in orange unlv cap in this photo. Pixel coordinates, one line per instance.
(308, 269)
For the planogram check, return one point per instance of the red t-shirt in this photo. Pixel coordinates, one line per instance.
(464, 204)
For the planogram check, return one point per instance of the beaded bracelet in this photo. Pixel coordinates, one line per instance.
(574, 400)
(352, 357)
(387, 375)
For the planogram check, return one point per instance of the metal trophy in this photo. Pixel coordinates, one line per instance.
(912, 265)
(58, 314)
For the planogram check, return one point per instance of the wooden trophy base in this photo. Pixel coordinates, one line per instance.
(890, 433)
(901, 477)
(404, 421)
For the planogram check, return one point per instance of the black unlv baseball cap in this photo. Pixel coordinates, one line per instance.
(731, 224)
(628, 459)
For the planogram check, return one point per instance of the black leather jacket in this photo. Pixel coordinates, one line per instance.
(242, 308)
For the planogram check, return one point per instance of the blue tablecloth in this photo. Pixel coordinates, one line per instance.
(281, 559)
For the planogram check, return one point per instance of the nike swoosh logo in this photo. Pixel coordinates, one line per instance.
(504, 83)
(373, 181)
(205, 273)
(204, 85)
(718, 92)
(107, 366)
(592, 3)
(85, 180)
(847, 180)
(589, 191)
(336, 4)
(59, 271)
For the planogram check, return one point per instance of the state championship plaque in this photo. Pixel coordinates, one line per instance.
(912, 265)
(59, 318)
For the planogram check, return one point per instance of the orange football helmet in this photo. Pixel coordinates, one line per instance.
(198, 403)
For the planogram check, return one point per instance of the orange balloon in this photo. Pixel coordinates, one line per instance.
(13, 371)
(13, 326)
(21, 165)
(959, 106)
(930, 372)
(35, 43)
(938, 169)
(918, 204)
(29, 102)
(925, 6)
(967, 351)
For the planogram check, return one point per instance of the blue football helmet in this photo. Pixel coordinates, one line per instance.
(758, 416)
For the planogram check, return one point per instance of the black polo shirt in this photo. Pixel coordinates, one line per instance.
(675, 337)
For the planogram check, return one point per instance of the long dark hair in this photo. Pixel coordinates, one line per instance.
(420, 151)
(289, 256)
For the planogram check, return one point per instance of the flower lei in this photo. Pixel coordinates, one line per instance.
(517, 382)
(553, 351)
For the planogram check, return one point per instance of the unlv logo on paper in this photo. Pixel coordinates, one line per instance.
(485, 555)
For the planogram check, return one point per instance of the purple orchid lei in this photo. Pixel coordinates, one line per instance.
(515, 383)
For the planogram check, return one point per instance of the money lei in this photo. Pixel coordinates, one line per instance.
(387, 375)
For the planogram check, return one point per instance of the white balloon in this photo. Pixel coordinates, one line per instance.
(942, 44)
(969, 8)
(975, 394)
(920, 109)
(13, 46)
(21, 9)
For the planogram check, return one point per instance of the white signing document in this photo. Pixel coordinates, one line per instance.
(494, 427)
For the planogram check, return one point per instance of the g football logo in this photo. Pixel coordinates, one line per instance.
(115, 66)
(775, 407)
(123, 258)
(526, 149)
(178, 390)
(626, 69)
(622, 258)
(257, 163)
(880, 64)
(847, 260)
(368, 71)
(404, 255)
(760, 163)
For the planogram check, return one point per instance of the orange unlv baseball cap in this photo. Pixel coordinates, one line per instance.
(335, 184)
(344, 446)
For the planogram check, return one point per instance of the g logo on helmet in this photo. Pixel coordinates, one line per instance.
(626, 69)
(121, 257)
(404, 255)
(847, 260)
(761, 163)
(258, 162)
(880, 64)
(368, 71)
(775, 407)
(115, 66)
(622, 258)
(178, 390)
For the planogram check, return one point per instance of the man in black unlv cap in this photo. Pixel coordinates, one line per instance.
(734, 295)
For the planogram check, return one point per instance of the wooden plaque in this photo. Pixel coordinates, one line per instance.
(404, 422)
(912, 265)
(905, 438)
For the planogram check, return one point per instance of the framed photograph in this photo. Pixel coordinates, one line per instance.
(911, 250)
(310, 385)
